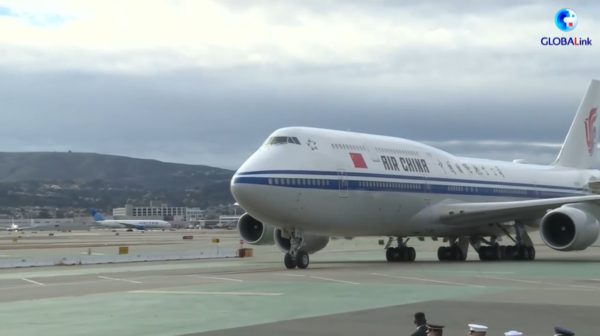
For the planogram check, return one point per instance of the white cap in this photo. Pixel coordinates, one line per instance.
(513, 333)
(478, 327)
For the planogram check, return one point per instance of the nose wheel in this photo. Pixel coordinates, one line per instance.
(301, 260)
(296, 257)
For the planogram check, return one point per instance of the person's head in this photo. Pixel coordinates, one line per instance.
(420, 319)
(477, 330)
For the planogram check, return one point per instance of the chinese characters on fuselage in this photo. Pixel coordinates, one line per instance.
(404, 164)
(420, 166)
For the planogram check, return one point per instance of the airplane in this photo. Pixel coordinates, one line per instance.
(130, 224)
(15, 227)
(305, 185)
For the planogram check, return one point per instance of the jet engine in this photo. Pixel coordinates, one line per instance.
(311, 243)
(253, 232)
(572, 227)
(140, 227)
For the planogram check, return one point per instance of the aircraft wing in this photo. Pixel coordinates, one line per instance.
(469, 213)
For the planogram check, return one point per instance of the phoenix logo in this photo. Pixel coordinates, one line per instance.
(590, 130)
(312, 144)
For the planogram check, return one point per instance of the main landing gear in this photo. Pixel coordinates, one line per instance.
(296, 257)
(454, 252)
(510, 252)
(451, 253)
(400, 253)
(522, 250)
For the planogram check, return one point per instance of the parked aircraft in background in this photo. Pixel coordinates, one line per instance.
(130, 224)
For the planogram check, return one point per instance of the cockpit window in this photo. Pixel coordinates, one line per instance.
(279, 140)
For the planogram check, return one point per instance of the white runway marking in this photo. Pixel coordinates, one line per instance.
(215, 278)
(468, 272)
(93, 253)
(334, 280)
(427, 280)
(294, 275)
(115, 279)
(208, 293)
(33, 282)
(539, 282)
(4, 255)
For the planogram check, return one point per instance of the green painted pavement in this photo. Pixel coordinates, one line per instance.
(151, 314)
(518, 270)
(119, 269)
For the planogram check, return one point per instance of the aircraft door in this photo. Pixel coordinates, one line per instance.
(427, 191)
(343, 183)
(372, 153)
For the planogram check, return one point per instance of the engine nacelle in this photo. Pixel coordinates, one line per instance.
(572, 227)
(140, 227)
(311, 243)
(253, 232)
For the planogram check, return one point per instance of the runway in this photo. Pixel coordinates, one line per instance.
(348, 290)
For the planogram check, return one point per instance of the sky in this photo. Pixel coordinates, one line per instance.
(206, 82)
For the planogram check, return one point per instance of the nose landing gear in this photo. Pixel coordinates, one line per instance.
(296, 257)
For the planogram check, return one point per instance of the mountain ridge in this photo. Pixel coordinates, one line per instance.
(52, 166)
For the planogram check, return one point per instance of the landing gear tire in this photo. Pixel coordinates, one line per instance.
(511, 252)
(412, 254)
(493, 253)
(531, 252)
(394, 254)
(302, 259)
(390, 254)
(289, 261)
(450, 253)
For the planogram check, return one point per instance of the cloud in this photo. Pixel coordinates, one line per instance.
(208, 81)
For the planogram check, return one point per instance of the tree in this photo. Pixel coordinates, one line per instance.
(43, 214)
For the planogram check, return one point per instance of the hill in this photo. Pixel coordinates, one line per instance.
(126, 177)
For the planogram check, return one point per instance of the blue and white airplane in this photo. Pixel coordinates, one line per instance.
(304, 185)
(138, 224)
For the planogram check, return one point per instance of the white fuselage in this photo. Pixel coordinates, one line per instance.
(132, 224)
(315, 186)
(13, 227)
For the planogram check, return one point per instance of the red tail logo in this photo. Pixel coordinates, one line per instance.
(590, 130)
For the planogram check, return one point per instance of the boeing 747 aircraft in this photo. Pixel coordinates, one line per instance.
(304, 185)
(130, 224)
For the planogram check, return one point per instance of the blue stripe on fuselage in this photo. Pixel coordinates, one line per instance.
(409, 185)
(405, 177)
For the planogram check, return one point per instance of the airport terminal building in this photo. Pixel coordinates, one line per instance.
(159, 212)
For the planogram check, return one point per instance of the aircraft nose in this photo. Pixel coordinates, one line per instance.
(242, 191)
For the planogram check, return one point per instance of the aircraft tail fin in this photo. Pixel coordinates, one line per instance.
(579, 149)
(97, 216)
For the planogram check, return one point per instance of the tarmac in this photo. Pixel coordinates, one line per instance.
(348, 289)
